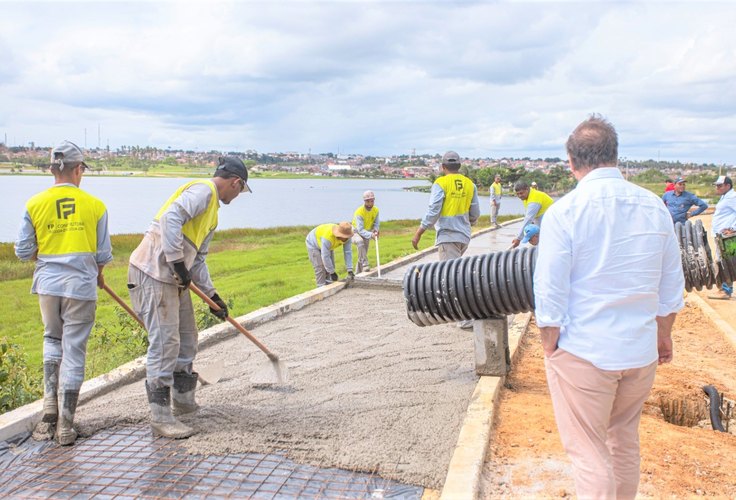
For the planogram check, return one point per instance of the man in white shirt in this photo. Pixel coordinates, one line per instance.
(608, 283)
(724, 224)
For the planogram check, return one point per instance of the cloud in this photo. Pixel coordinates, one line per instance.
(487, 79)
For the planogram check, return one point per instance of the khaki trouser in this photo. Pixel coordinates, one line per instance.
(67, 325)
(172, 329)
(320, 273)
(494, 212)
(362, 244)
(452, 250)
(597, 413)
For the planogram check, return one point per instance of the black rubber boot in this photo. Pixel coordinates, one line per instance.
(185, 385)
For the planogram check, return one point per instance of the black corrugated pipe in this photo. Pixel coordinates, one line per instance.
(697, 262)
(715, 408)
(477, 287)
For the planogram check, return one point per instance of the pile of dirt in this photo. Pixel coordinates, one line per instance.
(677, 461)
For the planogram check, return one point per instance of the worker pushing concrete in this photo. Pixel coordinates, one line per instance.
(170, 257)
(322, 241)
(366, 225)
(65, 231)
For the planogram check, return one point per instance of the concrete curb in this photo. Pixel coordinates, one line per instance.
(464, 473)
(25, 418)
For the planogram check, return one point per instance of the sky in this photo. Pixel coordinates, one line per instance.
(486, 79)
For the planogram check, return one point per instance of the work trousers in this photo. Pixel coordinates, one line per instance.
(597, 413)
(494, 212)
(168, 315)
(67, 324)
(451, 250)
(362, 244)
(320, 273)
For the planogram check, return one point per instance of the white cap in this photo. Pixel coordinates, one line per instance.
(368, 195)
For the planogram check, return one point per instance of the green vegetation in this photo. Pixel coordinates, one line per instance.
(251, 268)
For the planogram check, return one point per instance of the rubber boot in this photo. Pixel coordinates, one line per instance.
(163, 422)
(46, 428)
(182, 394)
(65, 432)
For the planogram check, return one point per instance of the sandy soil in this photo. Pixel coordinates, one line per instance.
(677, 461)
(369, 391)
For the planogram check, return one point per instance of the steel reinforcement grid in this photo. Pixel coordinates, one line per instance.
(129, 463)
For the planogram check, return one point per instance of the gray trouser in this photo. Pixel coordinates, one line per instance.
(320, 273)
(362, 244)
(67, 324)
(451, 250)
(172, 329)
(494, 212)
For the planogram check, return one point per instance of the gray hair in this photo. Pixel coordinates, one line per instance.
(593, 144)
(521, 186)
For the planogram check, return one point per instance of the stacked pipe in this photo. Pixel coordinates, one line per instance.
(498, 284)
(697, 262)
(477, 287)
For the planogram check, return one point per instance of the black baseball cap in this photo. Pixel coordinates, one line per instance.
(234, 165)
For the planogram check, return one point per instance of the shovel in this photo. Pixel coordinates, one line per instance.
(209, 374)
(277, 372)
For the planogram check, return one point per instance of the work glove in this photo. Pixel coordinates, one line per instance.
(334, 277)
(351, 276)
(222, 312)
(182, 275)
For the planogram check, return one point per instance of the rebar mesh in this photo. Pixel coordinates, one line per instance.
(129, 463)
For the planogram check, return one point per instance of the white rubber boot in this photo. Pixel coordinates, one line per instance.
(46, 428)
(163, 423)
(65, 432)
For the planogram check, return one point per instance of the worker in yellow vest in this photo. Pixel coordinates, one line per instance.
(536, 204)
(322, 241)
(453, 208)
(496, 194)
(65, 231)
(366, 225)
(170, 257)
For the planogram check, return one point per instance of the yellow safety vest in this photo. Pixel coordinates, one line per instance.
(459, 192)
(65, 219)
(537, 196)
(496, 188)
(325, 231)
(196, 229)
(369, 217)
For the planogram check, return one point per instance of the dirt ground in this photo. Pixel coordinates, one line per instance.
(677, 461)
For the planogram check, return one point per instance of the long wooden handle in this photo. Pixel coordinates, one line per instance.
(123, 305)
(230, 320)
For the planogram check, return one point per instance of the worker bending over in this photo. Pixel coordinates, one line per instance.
(536, 204)
(322, 241)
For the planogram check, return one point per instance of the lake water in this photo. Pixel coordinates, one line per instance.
(133, 201)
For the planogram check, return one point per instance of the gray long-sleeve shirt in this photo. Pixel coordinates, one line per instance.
(454, 228)
(327, 252)
(73, 275)
(164, 243)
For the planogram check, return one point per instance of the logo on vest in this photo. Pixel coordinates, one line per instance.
(458, 184)
(65, 207)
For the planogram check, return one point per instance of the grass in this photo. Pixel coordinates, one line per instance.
(251, 268)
